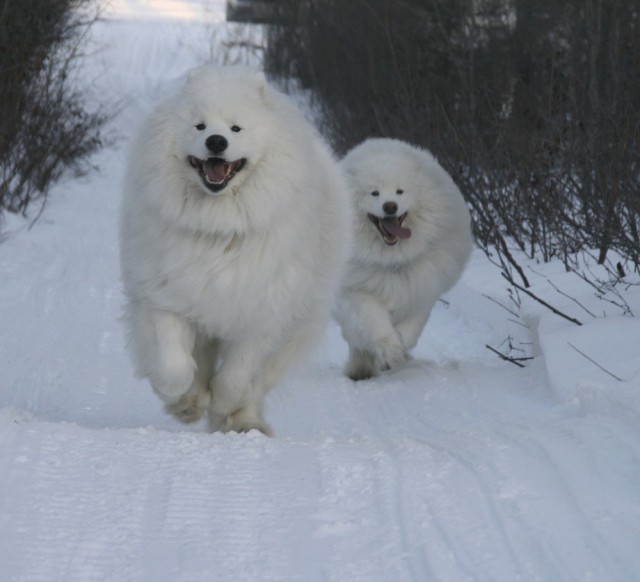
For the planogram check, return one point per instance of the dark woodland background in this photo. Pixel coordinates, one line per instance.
(531, 105)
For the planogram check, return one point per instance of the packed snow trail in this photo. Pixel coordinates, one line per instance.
(456, 467)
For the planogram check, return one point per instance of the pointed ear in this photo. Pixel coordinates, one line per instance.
(351, 176)
(192, 74)
(261, 81)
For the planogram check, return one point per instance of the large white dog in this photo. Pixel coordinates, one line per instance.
(412, 241)
(234, 235)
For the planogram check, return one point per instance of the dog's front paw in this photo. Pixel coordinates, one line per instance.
(190, 406)
(243, 420)
(391, 354)
(361, 366)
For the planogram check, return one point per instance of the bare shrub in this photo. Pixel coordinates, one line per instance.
(531, 105)
(45, 129)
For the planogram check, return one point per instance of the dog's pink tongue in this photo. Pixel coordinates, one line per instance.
(215, 170)
(393, 226)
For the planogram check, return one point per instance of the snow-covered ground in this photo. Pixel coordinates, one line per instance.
(459, 466)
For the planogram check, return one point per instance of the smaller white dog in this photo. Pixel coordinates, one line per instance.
(412, 241)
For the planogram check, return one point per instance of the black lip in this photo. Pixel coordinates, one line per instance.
(198, 165)
(388, 238)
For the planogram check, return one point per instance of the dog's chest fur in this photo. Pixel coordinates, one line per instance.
(227, 285)
(402, 290)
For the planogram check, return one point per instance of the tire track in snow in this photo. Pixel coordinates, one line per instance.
(567, 454)
(469, 435)
(418, 566)
(145, 505)
(355, 518)
(398, 455)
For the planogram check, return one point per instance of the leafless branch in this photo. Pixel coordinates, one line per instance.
(542, 301)
(515, 361)
(594, 362)
(570, 297)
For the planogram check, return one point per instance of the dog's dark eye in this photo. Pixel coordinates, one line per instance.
(236, 128)
(399, 191)
(200, 127)
(375, 193)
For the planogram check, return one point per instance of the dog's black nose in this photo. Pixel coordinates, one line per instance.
(216, 144)
(390, 207)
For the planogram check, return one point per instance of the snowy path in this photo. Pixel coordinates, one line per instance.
(457, 467)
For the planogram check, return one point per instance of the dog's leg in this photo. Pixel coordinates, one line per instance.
(410, 329)
(374, 344)
(293, 351)
(161, 345)
(237, 389)
(192, 405)
(175, 366)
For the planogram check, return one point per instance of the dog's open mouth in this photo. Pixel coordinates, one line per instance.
(390, 228)
(216, 173)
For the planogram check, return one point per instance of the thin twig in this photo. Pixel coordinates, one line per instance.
(594, 362)
(507, 253)
(569, 297)
(501, 305)
(541, 301)
(502, 356)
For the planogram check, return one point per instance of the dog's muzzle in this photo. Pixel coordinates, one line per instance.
(216, 173)
(390, 228)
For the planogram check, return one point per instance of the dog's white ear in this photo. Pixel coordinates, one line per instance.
(348, 170)
(265, 91)
(193, 74)
(351, 178)
(261, 81)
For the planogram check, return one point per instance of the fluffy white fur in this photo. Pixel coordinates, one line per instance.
(392, 285)
(228, 283)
